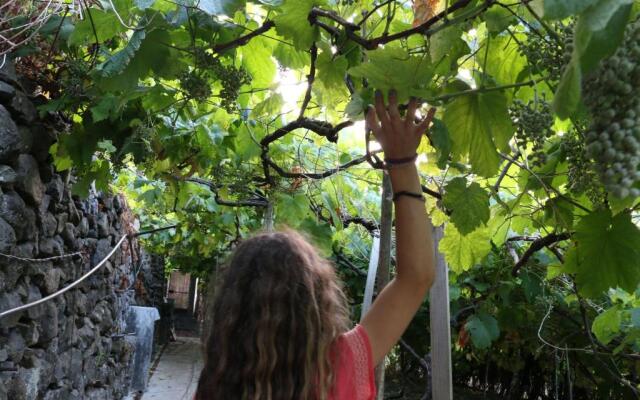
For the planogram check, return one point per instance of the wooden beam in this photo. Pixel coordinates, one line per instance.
(441, 379)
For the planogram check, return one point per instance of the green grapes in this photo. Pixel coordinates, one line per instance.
(581, 179)
(546, 53)
(613, 139)
(195, 85)
(533, 122)
(231, 78)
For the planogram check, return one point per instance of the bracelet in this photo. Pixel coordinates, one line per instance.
(417, 196)
(390, 163)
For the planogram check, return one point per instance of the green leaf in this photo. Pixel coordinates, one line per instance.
(607, 253)
(107, 105)
(560, 212)
(217, 7)
(119, 61)
(498, 19)
(257, 59)
(597, 16)
(569, 91)
(594, 42)
(463, 252)
(105, 23)
(289, 57)
(394, 68)
(144, 4)
(441, 141)
(483, 329)
(607, 325)
(332, 70)
(504, 59)
(293, 22)
(560, 9)
(479, 126)
(469, 205)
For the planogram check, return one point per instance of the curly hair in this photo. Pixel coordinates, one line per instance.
(276, 314)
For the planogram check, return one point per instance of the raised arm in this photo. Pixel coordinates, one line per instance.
(396, 305)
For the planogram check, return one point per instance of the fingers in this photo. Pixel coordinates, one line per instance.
(381, 110)
(371, 122)
(424, 124)
(411, 111)
(394, 113)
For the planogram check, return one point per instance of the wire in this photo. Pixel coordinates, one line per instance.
(66, 289)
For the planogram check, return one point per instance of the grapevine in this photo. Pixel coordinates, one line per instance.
(580, 175)
(613, 139)
(545, 53)
(534, 122)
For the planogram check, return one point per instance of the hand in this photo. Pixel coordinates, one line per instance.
(398, 136)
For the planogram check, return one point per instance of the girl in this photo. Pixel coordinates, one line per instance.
(280, 324)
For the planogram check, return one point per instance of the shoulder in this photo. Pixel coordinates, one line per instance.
(354, 369)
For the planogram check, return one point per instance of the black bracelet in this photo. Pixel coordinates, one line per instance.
(397, 162)
(417, 196)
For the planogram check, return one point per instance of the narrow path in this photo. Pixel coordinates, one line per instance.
(176, 375)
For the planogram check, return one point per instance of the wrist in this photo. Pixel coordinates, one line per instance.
(405, 179)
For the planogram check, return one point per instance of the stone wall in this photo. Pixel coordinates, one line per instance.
(72, 347)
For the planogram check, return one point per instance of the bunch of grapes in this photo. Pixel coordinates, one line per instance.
(580, 175)
(546, 53)
(195, 85)
(533, 122)
(613, 139)
(230, 77)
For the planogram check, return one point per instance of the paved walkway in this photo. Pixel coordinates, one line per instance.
(176, 375)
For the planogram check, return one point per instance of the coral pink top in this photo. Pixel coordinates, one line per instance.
(354, 367)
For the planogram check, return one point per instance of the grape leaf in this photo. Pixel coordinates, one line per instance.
(504, 60)
(463, 252)
(469, 205)
(483, 329)
(293, 22)
(569, 92)
(217, 7)
(441, 141)
(560, 9)
(593, 43)
(607, 253)
(257, 59)
(106, 26)
(498, 19)
(119, 61)
(332, 70)
(479, 124)
(394, 68)
(607, 325)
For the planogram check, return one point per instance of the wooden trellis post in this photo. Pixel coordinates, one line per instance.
(441, 379)
(380, 262)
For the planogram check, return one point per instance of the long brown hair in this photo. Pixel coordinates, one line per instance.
(276, 313)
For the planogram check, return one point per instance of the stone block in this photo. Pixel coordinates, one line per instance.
(7, 175)
(7, 92)
(9, 300)
(22, 108)
(29, 182)
(10, 140)
(15, 211)
(48, 225)
(7, 237)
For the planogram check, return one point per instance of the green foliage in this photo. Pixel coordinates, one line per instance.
(177, 113)
(469, 205)
(607, 253)
(483, 329)
(479, 127)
